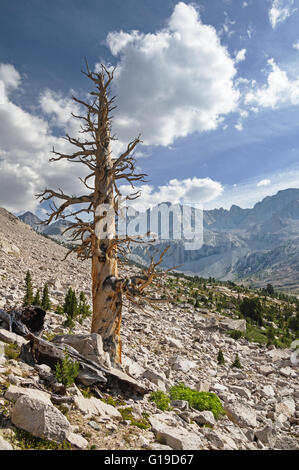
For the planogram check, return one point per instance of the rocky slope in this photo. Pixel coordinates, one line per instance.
(161, 347)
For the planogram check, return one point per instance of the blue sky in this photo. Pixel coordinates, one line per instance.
(212, 86)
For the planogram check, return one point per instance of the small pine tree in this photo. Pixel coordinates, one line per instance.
(83, 308)
(70, 308)
(36, 300)
(66, 371)
(46, 304)
(237, 362)
(220, 357)
(28, 297)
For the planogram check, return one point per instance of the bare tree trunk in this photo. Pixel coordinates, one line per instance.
(107, 306)
(106, 294)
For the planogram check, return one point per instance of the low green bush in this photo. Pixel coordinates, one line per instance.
(161, 399)
(201, 401)
(220, 358)
(113, 402)
(235, 334)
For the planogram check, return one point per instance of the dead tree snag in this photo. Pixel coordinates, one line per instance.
(97, 238)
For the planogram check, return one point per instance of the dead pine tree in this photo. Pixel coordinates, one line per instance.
(97, 238)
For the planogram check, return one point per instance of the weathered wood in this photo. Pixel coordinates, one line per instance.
(57, 399)
(45, 352)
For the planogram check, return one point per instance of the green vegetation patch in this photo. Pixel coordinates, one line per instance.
(113, 402)
(127, 415)
(201, 401)
(27, 441)
(161, 399)
(11, 351)
(235, 334)
(255, 334)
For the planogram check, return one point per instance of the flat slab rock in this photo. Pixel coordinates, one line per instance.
(179, 363)
(46, 352)
(94, 406)
(175, 437)
(241, 414)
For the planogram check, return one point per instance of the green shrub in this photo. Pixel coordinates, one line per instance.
(70, 306)
(37, 300)
(83, 308)
(255, 334)
(201, 401)
(66, 371)
(237, 362)
(113, 402)
(59, 310)
(161, 399)
(235, 334)
(86, 392)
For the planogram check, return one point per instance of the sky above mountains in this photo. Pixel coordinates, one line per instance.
(212, 86)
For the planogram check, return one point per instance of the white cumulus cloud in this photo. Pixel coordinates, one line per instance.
(9, 76)
(174, 82)
(279, 90)
(189, 190)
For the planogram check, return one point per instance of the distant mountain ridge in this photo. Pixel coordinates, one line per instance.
(259, 244)
(54, 230)
(236, 217)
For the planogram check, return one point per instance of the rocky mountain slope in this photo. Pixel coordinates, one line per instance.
(174, 343)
